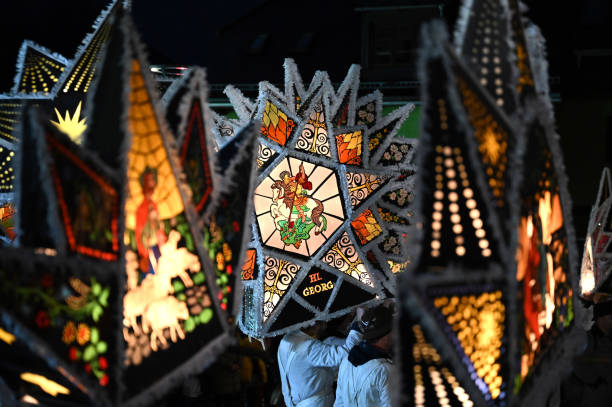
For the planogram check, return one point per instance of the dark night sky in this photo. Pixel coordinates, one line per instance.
(174, 31)
(184, 31)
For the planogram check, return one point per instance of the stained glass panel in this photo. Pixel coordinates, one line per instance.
(484, 41)
(349, 147)
(362, 185)
(344, 257)
(264, 154)
(194, 158)
(88, 203)
(314, 137)
(67, 314)
(276, 125)
(249, 268)
(366, 227)
(312, 193)
(377, 137)
(7, 176)
(542, 255)
(366, 114)
(429, 380)
(316, 287)
(596, 264)
(278, 276)
(166, 286)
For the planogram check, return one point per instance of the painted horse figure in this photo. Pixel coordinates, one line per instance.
(295, 213)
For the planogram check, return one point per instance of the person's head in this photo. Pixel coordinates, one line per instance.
(377, 324)
(148, 181)
(316, 330)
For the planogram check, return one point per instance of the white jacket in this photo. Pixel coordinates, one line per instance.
(308, 368)
(364, 385)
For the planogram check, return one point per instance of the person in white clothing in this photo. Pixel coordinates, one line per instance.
(308, 366)
(364, 376)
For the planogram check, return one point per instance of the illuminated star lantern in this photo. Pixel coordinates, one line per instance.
(218, 181)
(461, 244)
(596, 259)
(130, 305)
(514, 183)
(327, 211)
(495, 40)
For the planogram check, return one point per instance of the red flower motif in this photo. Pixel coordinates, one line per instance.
(228, 289)
(83, 333)
(224, 306)
(42, 319)
(87, 367)
(103, 363)
(229, 270)
(46, 280)
(236, 226)
(220, 295)
(73, 354)
(104, 380)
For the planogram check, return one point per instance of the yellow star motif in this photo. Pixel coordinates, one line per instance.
(490, 147)
(73, 126)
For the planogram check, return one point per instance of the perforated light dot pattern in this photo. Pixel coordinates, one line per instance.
(428, 368)
(492, 141)
(478, 321)
(7, 176)
(10, 111)
(84, 69)
(39, 73)
(454, 194)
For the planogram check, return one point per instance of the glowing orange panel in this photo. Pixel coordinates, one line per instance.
(275, 125)
(478, 321)
(148, 155)
(249, 265)
(349, 147)
(366, 227)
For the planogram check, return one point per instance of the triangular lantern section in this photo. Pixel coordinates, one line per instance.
(474, 320)
(87, 200)
(171, 314)
(495, 138)
(460, 242)
(545, 252)
(65, 299)
(458, 223)
(483, 39)
(168, 288)
(38, 69)
(429, 381)
(76, 80)
(188, 117)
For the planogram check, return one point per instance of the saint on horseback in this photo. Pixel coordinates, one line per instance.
(295, 213)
